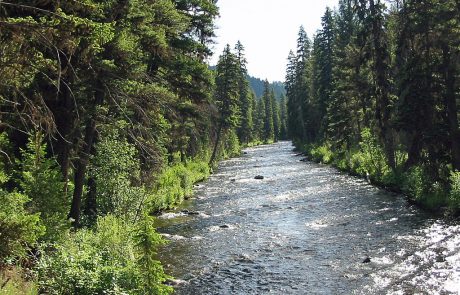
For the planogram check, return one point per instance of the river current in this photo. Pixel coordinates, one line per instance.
(305, 228)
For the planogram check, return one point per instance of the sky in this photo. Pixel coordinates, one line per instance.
(267, 29)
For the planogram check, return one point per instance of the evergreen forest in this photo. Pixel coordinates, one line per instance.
(376, 92)
(110, 113)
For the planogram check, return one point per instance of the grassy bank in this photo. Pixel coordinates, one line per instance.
(437, 194)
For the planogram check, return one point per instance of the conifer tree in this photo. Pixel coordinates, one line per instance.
(260, 122)
(227, 94)
(268, 131)
(323, 59)
(245, 104)
(276, 116)
(283, 118)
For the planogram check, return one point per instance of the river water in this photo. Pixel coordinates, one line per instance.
(304, 229)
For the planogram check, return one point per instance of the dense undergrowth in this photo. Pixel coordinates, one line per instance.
(368, 161)
(114, 253)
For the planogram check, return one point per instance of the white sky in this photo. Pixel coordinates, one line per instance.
(267, 29)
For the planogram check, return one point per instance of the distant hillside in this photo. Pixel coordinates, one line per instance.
(258, 86)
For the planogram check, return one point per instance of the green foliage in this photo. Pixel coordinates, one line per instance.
(146, 241)
(116, 170)
(428, 192)
(176, 183)
(109, 260)
(19, 230)
(231, 145)
(269, 129)
(370, 160)
(322, 153)
(42, 182)
(454, 195)
(227, 88)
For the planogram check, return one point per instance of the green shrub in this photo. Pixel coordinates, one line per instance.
(414, 182)
(454, 195)
(322, 153)
(116, 170)
(426, 191)
(176, 183)
(19, 230)
(41, 181)
(231, 145)
(112, 259)
(370, 159)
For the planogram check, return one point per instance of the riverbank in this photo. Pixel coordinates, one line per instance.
(304, 228)
(440, 197)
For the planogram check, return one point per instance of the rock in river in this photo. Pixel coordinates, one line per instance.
(259, 177)
(366, 260)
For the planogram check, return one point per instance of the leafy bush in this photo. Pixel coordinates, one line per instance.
(18, 228)
(116, 170)
(454, 195)
(419, 185)
(176, 183)
(115, 258)
(322, 153)
(42, 182)
(370, 160)
(231, 145)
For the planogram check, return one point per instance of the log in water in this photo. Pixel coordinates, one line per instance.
(304, 228)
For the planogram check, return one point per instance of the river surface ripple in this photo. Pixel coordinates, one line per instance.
(304, 229)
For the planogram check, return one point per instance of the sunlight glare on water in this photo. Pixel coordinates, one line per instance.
(304, 229)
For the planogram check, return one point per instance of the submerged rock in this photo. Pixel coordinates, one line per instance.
(174, 282)
(224, 226)
(259, 177)
(366, 260)
(187, 212)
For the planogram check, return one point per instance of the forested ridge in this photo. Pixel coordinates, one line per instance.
(377, 93)
(109, 114)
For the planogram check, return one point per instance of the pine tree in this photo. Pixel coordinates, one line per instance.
(260, 122)
(268, 133)
(245, 104)
(227, 94)
(323, 58)
(276, 116)
(344, 121)
(283, 118)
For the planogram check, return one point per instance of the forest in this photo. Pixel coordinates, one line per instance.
(110, 113)
(377, 91)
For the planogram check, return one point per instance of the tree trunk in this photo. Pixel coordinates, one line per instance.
(82, 162)
(216, 145)
(414, 152)
(91, 200)
(382, 110)
(65, 120)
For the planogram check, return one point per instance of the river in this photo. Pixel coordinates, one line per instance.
(306, 228)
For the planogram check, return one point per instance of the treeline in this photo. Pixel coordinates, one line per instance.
(109, 113)
(253, 119)
(258, 86)
(377, 93)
